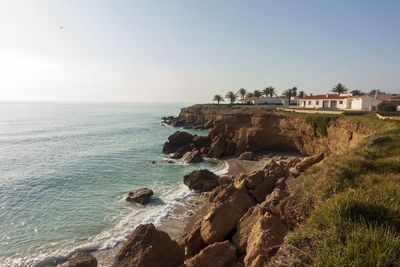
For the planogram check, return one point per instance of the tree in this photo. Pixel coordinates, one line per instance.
(373, 92)
(288, 94)
(301, 94)
(294, 91)
(218, 98)
(231, 96)
(257, 93)
(249, 95)
(242, 92)
(339, 88)
(357, 92)
(269, 91)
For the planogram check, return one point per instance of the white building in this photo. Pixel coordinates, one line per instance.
(342, 101)
(268, 101)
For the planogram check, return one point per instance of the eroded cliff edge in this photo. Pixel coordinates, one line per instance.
(258, 128)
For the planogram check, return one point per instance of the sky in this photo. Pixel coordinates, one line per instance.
(188, 50)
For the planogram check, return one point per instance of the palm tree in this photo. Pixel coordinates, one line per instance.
(257, 93)
(218, 98)
(269, 91)
(357, 92)
(249, 95)
(288, 94)
(339, 88)
(242, 92)
(373, 92)
(301, 94)
(232, 96)
(294, 91)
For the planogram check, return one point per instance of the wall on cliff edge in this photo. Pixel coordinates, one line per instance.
(256, 128)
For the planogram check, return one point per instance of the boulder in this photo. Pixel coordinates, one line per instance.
(223, 195)
(244, 227)
(181, 151)
(81, 259)
(203, 180)
(201, 141)
(306, 163)
(217, 148)
(147, 246)
(246, 156)
(223, 218)
(266, 236)
(176, 141)
(221, 254)
(194, 242)
(141, 195)
(192, 157)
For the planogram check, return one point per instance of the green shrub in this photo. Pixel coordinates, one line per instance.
(386, 106)
(320, 122)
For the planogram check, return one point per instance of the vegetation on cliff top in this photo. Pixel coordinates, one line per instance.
(352, 203)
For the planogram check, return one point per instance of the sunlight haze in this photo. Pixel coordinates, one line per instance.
(187, 51)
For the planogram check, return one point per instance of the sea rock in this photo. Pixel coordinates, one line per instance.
(176, 141)
(246, 156)
(203, 180)
(201, 141)
(192, 157)
(217, 148)
(181, 151)
(265, 237)
(147, 246)
(221, 254)
(81, 259)
(222, 218)
(141, 195)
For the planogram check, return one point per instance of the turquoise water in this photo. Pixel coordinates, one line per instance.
(65, 169)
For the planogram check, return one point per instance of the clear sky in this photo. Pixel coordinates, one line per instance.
(187, 50)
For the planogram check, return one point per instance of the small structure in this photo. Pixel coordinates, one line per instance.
(268, 101)
(339, 101)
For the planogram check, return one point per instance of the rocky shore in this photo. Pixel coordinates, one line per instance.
(242, 218)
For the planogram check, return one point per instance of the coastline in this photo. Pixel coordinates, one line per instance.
(180, 220)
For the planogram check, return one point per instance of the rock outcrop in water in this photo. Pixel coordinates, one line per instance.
(141, 195)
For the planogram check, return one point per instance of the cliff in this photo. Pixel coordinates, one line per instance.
(258, 128)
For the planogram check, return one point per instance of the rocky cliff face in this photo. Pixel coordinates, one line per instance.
(254, 128)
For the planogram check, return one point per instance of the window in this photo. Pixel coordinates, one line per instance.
(309, 102)
(340, 102)
(317, 103)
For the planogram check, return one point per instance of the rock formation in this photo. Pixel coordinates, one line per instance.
(81, 259)
(141, 195)
(176, 141)
(192, 157)
(147, 246)
(203, 180)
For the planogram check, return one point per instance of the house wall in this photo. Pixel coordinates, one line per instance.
(362, 103)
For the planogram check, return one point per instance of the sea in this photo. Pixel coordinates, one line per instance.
(66, 168)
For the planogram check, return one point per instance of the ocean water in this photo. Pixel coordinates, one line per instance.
(65, 169)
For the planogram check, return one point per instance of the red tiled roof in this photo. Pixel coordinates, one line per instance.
(329, 96)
